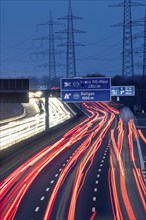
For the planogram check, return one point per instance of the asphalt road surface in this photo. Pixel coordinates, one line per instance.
(91, 172)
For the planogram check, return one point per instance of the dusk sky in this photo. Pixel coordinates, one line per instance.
(103, 44)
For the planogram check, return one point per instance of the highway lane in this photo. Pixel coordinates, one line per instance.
(94, 197)
(126, 181)
(142, 142)
(80, 176)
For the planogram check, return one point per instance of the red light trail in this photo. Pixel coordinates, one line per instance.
(88, 136)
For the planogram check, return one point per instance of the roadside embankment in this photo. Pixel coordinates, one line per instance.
(10, 110)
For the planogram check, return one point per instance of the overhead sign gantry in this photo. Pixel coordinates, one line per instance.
(14, 90)
(86, 89)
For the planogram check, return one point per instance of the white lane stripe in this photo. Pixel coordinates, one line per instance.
(52, 181)
(103, 157)
(102, 161)
(93, 209)
(56, 174)
(60, 169)
(96, 182)
(37, 209)
(140, 154)
(94, 198)
(47, 189)
(98, 175)
(63, 165)
(42, 198)
(99, 170)
(101, 165)
(95, 189)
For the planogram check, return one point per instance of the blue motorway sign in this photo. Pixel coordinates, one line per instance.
(86, 89)
(122, 90)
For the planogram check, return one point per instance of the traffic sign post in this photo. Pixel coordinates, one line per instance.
(122, 90)
(86, 89)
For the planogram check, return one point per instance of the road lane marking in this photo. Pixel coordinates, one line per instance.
(95, 189)
(103, 157)
(144, 173)
(47, 189)
(56, 174)
(96, 182)
(52, 181)
(94, 198)
(101, 165)
(42, 198)
(102, 161)
(93, 209)
(98, 175)
(63, 165)
(99, 170)
(60, 169)
(37, 209)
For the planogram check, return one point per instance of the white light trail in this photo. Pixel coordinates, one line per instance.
(18, 130)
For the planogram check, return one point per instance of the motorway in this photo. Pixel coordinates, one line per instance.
(93, 171)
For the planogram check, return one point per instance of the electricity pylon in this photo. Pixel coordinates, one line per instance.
(144, 48)
(127, 53)
(141, 50)
(70, 44)
(51, 52)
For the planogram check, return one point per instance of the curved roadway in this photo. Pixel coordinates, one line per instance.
(92, 172)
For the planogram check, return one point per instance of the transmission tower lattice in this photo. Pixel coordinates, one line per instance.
(70, 59)
(144, 48)
(52, 66)
(127, 53)
(51, 50)
(141, 50)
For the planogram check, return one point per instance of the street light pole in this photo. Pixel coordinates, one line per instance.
(47, 110)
